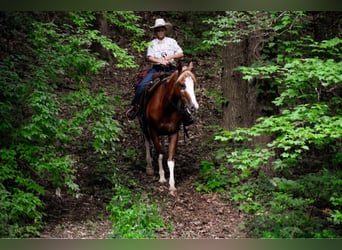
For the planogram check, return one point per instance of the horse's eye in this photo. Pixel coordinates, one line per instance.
(182, 86)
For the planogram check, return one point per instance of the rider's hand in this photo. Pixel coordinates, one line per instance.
(169, 58)
(164, 61)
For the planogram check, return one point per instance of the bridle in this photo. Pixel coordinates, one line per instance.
(182, 88)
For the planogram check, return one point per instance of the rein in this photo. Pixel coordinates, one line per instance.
(180, 106)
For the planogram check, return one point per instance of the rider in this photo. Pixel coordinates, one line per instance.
(161, 53)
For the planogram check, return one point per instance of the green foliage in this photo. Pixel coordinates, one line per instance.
(212, 178)
(46, 109)
(132, 217)
(233, 26)
(294, 208)
(122, 19)
(93, 112)
(303, 150)
(17, 210)
(193, 32)
(127, 21)
(218, 97)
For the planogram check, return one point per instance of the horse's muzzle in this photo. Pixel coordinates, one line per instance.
(192, 109)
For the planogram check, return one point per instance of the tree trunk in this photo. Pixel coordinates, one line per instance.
(242, 107)
(243, 104)
(102, 25)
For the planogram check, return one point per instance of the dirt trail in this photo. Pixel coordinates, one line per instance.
(191, 214)
(196, 215)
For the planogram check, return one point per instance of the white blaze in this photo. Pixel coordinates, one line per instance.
(189, 83)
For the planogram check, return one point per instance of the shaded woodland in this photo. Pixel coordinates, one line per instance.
(264, 156)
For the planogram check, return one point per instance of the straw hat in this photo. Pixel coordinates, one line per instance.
(160, 22)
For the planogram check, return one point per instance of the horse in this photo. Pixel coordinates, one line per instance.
(163, 115)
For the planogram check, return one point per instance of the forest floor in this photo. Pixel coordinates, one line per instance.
(192, 214)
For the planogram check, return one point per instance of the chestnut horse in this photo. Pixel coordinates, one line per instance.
(163, 115)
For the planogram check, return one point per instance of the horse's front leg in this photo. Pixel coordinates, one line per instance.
(170, 161)
(149, 167)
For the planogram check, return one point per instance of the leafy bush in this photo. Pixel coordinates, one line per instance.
(132, 217)
(46, 107)
(215, 178)
(291, 185)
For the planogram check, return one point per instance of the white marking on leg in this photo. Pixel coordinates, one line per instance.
(161, 169)
(171, 165)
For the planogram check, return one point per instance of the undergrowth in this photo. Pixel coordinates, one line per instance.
(133, 217)
(289, 186)
(47, 108)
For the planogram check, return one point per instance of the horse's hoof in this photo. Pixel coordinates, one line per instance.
(149, 171)
(173, 193)
(162, 180)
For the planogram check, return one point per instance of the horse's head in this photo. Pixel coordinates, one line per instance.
(187, 82)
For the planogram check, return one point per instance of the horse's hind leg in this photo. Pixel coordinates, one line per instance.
(149, 167)
(156, 143)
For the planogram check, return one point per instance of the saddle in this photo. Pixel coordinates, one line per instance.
(145, 69)
(157, 79)
(142, 73)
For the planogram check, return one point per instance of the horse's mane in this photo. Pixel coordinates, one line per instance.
(185, 73)
(173, 77)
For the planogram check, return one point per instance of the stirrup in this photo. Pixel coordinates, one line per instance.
(132, 112)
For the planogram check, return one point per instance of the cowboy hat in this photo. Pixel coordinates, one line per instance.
(160, 22)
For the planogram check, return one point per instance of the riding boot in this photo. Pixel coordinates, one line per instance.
(187, 119)
(132, 112)
(137, 103)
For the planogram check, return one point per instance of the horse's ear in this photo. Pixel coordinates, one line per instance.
(179, 68)
(190, 67)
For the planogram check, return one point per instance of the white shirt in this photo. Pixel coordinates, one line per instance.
(161, 48)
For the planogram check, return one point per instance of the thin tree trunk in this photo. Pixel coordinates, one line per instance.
(242, 107)
(102, 26)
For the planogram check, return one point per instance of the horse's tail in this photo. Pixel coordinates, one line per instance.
(144, 128)
(143, 101)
